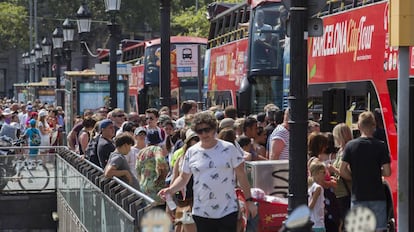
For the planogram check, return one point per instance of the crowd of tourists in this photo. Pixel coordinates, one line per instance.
(198, 159)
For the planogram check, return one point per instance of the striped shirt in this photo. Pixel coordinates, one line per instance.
(280, 132)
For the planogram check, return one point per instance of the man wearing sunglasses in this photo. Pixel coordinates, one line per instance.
(118, 117)
(151, 116)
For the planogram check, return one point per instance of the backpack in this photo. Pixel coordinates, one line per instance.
(35, 138)
(159, 132)
(91, 151)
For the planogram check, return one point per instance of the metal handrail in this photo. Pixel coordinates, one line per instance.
(119, 181)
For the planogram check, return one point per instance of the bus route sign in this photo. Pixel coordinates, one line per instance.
(187, 60)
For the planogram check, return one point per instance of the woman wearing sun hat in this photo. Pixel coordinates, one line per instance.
(44, 129)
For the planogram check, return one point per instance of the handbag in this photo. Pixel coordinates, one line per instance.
(183, 215)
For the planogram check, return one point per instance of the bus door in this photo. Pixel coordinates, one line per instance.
(333, 111)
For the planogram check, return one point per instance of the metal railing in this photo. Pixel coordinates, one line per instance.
(86, 200)
(99, 203)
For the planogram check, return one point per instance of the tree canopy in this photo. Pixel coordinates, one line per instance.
(136, 18)
(13, 30)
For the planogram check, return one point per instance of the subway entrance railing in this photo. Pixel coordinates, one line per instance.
(86, 200)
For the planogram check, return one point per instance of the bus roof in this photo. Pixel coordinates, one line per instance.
(178, 39)
(173, 39)
(255, 3)
(216, 8)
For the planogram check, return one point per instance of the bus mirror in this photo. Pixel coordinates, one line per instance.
(315, 27)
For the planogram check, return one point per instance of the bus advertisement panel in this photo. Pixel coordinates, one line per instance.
(135, 85)
(227, 68)
(359, 39)
(352, 68)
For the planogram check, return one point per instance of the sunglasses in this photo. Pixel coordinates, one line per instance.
(119, 115)
(195, 139)
(205, 129)
(149, 118)
(142, 134)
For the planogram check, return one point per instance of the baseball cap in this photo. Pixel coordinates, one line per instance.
(43, 113)
(219, 115)
(189, 134)
(139, 130)
(105, 123)
(32, 122)
(226, 122)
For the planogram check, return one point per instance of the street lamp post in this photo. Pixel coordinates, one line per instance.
(47, 50)
(84, 18)
(57, 39)
(26, 64)
(112, 7)
(298, 121)
(165, 79)
(24, 67)
(39, 57)
(32, 55)
(68, 33)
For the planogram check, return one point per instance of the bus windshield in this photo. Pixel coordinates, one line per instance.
(152, 64)
(268, 35)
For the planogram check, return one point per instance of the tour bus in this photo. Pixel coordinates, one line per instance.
(352, 68)
(244, 63)
(187, 54)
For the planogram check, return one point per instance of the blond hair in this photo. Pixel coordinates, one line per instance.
(316, 167)
(366, 122)
(342, 134)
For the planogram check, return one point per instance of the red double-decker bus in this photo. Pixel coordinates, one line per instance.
(352, 68)
(244, 60)
(187, 57)
(186, 71)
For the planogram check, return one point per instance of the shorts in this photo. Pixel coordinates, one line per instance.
(379, 208)
(318, 229)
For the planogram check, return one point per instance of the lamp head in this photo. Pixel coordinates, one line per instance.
(84, 19)
(112, 5)
(68, 30)
(46, 46)
(57, 38)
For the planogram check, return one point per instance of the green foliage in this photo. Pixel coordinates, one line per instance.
(136, 17)
(13, 26)
(186, 20)
(190, 22)
(139, 16)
